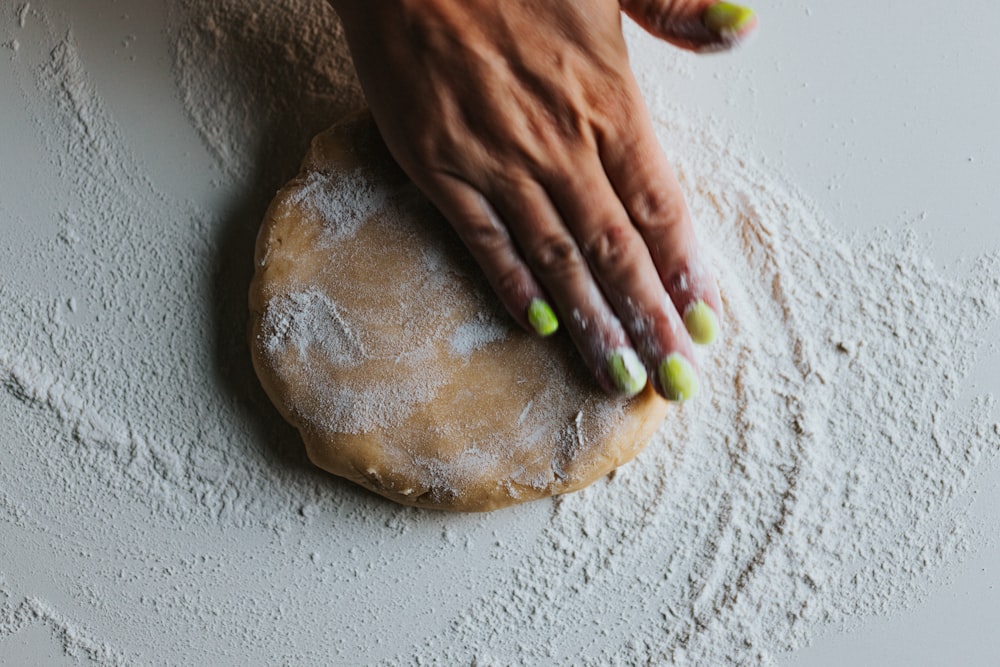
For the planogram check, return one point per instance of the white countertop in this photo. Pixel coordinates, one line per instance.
(885, 114)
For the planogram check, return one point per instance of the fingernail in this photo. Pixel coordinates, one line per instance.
(542, 318)
(701, 322)
(678, 378)
(725, 18)
(627, 372)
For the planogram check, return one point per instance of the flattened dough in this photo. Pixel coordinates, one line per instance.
(376, 336)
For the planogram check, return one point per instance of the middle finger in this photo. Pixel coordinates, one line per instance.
(620, 262)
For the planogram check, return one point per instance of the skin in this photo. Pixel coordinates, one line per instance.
(524, 125)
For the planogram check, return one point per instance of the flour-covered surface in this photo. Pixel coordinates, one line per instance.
(154, 509)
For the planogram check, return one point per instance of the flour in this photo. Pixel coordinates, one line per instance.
(821, 500)
(477, 334)
(345, 202)
(817, 480)
(357, 330)
(311, 318)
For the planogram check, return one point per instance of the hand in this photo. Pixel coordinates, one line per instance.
(522, 122)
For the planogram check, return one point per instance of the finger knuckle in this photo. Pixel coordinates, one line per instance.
(483, 234)
(556, 255)
(610, 250)
(653, 207)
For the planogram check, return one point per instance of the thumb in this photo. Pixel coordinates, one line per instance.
(698, 25)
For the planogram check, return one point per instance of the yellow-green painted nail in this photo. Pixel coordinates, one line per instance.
(727, 18)
(542, 318)
(678, 378)
(627, 372)
(701, 323)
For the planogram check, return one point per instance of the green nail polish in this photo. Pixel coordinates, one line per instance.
(678, 378)
(627, 372)
(541, 317)
(701, 323)
(727, 18)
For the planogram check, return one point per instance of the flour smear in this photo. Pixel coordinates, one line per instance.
(163, 514)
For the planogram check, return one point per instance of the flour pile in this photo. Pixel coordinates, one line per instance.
(819, 478)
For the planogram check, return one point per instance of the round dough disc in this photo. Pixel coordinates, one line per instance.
(376, 336)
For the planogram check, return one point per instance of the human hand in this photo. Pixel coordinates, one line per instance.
(522, 122)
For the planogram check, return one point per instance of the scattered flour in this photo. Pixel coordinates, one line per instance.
(149, 484)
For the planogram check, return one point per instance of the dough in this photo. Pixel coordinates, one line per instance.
(377, 337)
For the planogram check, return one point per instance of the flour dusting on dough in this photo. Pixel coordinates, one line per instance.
(310, 320)
(387, 334)
(344, 200)
(476, 333)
